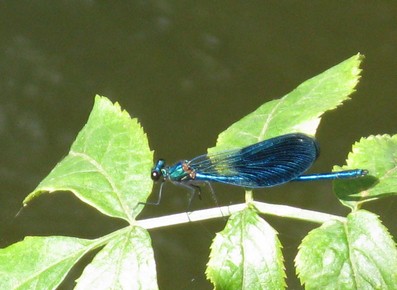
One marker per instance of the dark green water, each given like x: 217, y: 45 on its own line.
x: 187, y: 70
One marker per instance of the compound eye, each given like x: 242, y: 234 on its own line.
x: 155, y: 175
x: 157, y: 170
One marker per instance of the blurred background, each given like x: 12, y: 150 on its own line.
x: 186, y: 70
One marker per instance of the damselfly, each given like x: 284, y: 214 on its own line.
x: 265, y: 164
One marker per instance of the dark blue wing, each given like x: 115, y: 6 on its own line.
x: 264, y: 164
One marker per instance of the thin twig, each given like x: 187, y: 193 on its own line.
x: 218, y: 212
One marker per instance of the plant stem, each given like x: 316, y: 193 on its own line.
x: 264, y: 208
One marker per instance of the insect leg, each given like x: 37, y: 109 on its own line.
x: 193, y: 189
x: 213, y: 195
x: 158, y: 198
x: 214, y: 198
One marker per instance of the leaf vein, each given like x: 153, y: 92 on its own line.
x: 107, y: 176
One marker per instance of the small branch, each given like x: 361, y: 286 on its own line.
x: 296, y: 213
x: 218, y: 212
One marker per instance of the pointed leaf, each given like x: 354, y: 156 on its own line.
x: 39, y: 262
x: 126, y: 262
x: 377, y: 154
x: 356, y: 254
x: 108, y: 164
x: 298, y: 111
x: 246, y: 255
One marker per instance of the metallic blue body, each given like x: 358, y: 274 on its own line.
x: 265, y: 164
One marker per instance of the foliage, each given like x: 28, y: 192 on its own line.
x: 107, y: 167
x: 379, y: 156
x: 108, y: 160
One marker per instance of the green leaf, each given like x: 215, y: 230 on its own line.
x: 356, y: 254
x: 298, y: 111
x: 39, y: 262
x: 108, y: 164
x: 377, y: 154
x: 246, y: 255
x: 43, y: 262
x: 126, y: 262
